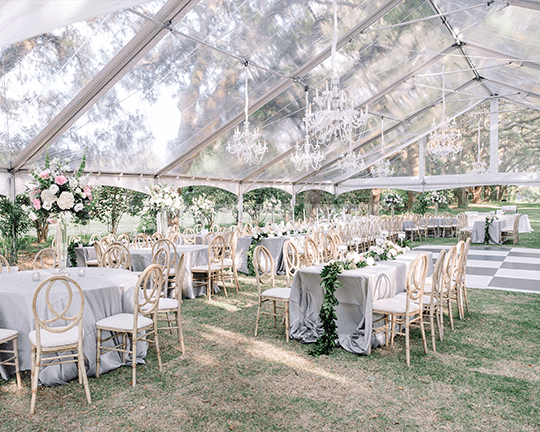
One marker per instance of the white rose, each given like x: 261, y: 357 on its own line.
x: 393, y: 252
x: 53, y: 189
x: 66, y: 200
x: 370, y: 261
x: 48, y: 197
x: 73, y: 183
x: 32, y: 216
x: 79, y: 207
x: 47, y: 205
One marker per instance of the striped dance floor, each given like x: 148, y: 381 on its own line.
x: 508, y: 269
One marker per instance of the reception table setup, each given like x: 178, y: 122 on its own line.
x: 106, y: 292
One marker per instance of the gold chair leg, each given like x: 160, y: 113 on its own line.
x: 287, y: 321
x: 258, y: 318
x: 98, y: 352
x: 36, y: 361
x: 133, y: 360
x: 16, y: 355
x: 82, y: 372
x: 180, y: 332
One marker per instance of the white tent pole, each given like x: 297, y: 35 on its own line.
x: 494, y: 136
x: 12, y: 186
x: 422, y: 158
x: 293, y: 203
x: 240, y: 203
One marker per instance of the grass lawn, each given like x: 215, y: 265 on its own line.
x: 485, y: 376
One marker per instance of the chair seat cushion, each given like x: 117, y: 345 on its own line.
x: 394, y: 305
x: 167, y: 304
x: 6, y: 334
x: 282, y: 293
x: 49, y: 339
x: 204, y: 268
x: 228, y: 262
x: 426, y: 298
x: 123, y: 322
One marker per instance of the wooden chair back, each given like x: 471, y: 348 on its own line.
x: 59, y: 316
x: 214, y: 229
x: 416, y: 278
x: 292, y: 260
x: 383, y: 287
x: 179, y: 276
x: 43, y: 258
x: 216, y: 250
x: 176, y: 238
x: 4, y: 263
x: 150, y: 285
x: 116, y: 256
x: 208, y: 238
x: 94, y: 238
x: 189, y: 236
x: 437, y: 280
x: 124, y: 239
x: 311, y: 252
x: 164, y: 254
x: 329, y: 248
x: 448, y: 270
x: 140, y: 241
x: 264, y: 268
x: 196, y: 229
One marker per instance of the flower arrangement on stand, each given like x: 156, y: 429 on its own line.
x: 392, y: 201
x: 203, y: 209
x: 59, y: 197
x: 164, y: 201
x: 437, y: 198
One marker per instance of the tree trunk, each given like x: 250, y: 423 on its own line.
x: 410, y: 200
x: 374, y: 201
x: 462, y: 198
x: 502, y: 190
x: 476, y: 193
x: 42, y: 228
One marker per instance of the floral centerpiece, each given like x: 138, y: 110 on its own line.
x: 437, y: 198
x: 203, y: 209
x: 392, y: 200
x: 386, y: 250
x: 60, y: 197
x: 272, y: 205
x: 163, y: 202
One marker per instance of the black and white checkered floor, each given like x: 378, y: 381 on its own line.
x: 509, y: 269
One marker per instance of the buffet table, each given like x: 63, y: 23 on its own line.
x: 355, y: 296
x: 106, y: 292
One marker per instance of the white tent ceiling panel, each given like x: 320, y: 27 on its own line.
x: 24, y: 19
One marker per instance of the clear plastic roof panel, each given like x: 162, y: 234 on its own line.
x: 40, y: 76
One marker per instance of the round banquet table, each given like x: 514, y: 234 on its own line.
x: 106, y: 292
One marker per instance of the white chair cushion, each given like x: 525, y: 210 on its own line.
x: 7, y: 334
x: 426, y: 298
x: 227, y: 262
x: 49, y: 339
x: 123, y: 322
x: 283, y: 293
x: 395, y: 305
x: 213, y: 267
x: 167, y: 304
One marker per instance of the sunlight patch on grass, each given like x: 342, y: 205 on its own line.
x: 227, y: 306
x: 269, y: 352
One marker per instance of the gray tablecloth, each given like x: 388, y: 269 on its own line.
x: 274, y: 245
x: 106, y: 292
x: 195, y: 255
x: 84, y: 254
x: 355, y: 296
x: 479, y: 231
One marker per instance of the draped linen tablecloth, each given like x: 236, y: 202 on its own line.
x: 195, y: 255
x: 478, y: 232
x: 273, y: 244
x: 507, y: 221
x: 355, y: 309
x: 106, y: 292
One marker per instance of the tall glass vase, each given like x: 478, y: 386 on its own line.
x: 162, y: 222
x: 62, y: 244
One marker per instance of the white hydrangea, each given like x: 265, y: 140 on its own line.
x: 66, y: 200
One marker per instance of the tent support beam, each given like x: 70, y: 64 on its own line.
x: 494, y: 136
x: 282, y: 86
x: 115, y: 70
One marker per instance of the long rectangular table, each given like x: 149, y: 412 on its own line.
x: 355, y: 296
x: 106, y: 292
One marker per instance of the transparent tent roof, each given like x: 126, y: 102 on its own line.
x: 156, y: 91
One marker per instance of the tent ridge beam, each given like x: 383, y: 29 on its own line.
x: 284, y: 85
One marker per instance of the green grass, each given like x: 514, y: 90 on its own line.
x: 484, y: 376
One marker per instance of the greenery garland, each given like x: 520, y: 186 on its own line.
x: 327, y: 314
x: 254, y: 242
x: 489, y: 221
x: 71, y: 253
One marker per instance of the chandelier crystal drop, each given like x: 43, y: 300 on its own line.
x: 443, y: 139
x: 336, y: 115
x: 308, y: 155
x: 478, y: 167
x: 246, y: 145
x: 350, y: 162
x: 382, y: 168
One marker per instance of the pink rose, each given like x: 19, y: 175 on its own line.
x: 60, y: 180
x: 88, y: 192
x: 37, y: 203
x: 45, y: 174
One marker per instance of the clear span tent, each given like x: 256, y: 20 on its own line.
x: 154, y: 90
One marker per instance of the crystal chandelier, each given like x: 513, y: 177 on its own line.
x: 478, y: 167
x: 307, y: 155
x: 350, y: 162
x: 336, y: 115
x: 382, y: 168
x: 248, y: 146
x: 442, y: 141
